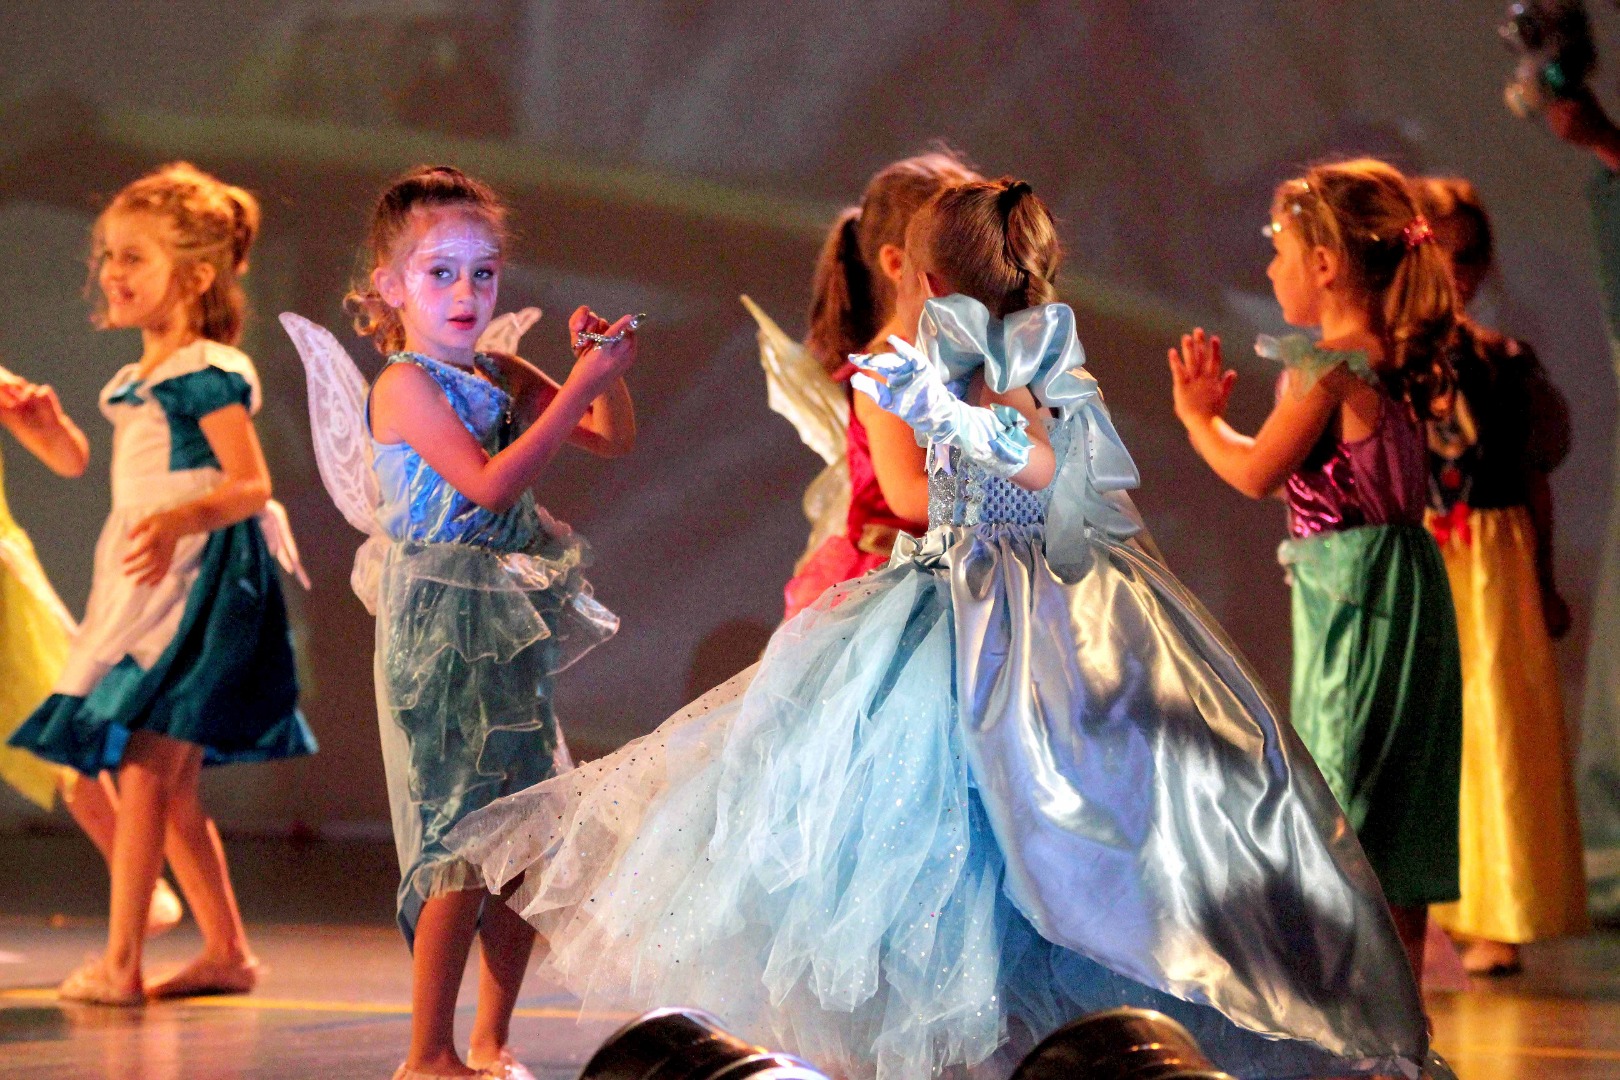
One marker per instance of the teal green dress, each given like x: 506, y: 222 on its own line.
x: 205, y: 654
x: 1377, y: 688
x: 476, y: 611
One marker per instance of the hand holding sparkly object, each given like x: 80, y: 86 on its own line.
x: 912, y: 389
x: 603, y: 352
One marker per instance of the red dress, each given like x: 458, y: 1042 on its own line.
x: 869, y: 531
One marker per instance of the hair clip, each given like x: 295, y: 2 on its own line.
x: 1417, y: 231
x: 585, y: 337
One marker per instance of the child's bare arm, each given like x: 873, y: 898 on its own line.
x: 33, y: 413
x: 241, y: 494
x: 1256, y: 466
x: 408, y: 406
x: 1037, y: 473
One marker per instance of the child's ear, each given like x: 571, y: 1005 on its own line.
x: 203, y: 277
x: 1324, y: 265
x: 891, y: 261
x: 388, y: 286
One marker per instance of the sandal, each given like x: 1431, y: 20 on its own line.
x: 405, y: 1072
x: 89, y: 984
x: 206, y: 978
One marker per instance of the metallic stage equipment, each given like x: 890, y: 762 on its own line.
x: 688, y: 1044
x: 1120, y: 1044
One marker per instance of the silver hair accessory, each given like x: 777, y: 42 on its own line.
x: 585, y: 337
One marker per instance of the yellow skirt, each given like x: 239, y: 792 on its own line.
x: 34, y: 632
x: 1521, y: 871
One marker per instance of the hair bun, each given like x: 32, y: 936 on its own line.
x: 1013, y: 193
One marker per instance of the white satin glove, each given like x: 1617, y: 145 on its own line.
x: 991, y: 438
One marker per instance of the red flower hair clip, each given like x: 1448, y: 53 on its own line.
x: 1417, y: 231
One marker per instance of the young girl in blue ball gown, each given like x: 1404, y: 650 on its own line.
x: 1014, y: 777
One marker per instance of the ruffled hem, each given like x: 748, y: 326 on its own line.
x: 484, y: 605
x: 817, y: 851
x: 225, y: 679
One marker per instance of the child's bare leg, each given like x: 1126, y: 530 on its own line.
x: 198, y: 858
x: 94, y: 807
x: 145, y: 779
x: 444, y: 936
x: 505, y: 942
x: 93, y: 804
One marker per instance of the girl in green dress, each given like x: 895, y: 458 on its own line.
x: 1377, y: 694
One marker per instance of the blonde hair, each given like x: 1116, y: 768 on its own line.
x: 1364, y: 211
x: 426, y: 187
x: 213, y: 223
x: 851, y: 298
x: 993, y: 240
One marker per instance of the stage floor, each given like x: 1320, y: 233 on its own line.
x: 335, y: 1001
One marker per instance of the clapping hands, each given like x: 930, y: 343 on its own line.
x: 1202, y: 383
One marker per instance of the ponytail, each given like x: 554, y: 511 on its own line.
x: 842, y: 315
x: 851, y: 298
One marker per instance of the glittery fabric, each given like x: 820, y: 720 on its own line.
x: 475, y: 612
x: 1379, y: 480
x: 962, y: 800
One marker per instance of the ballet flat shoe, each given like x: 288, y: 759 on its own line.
x: 90, y: 985
x: 405, y: 1072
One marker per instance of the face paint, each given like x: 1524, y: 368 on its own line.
x: 450, y: 278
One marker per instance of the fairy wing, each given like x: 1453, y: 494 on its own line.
x: 337, y: 421
x: 799, y: 389
x: 505, y: 331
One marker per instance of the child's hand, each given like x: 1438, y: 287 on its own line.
x: 1201, y: 382
x: 601, y: 365
x: 31, y: 404
x: 152, y: 547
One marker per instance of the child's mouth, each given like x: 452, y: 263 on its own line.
x: 463, y: 322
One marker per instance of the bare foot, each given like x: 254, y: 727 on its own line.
x: 502, y: 1067
x: 1491, y: 958
x: 207, y: 976
x: 93, y: 984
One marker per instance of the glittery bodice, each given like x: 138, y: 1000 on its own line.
x: 418, y: 504
x: 1379, y: 480
x: 961, y: 493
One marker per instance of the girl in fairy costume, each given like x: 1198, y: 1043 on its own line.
x: 1015, y: 776
x: 184, y: 656
x: 1377, y: 688
x: 479, y: 594
x: 877, y: 488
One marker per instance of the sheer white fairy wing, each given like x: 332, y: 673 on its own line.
x: 505, y: 331
x: 337, y: 421
x: 798, y: 388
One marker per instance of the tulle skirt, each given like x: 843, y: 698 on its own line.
x: 957, y: 803
x: 1520, y: 868
x: 467, y: 642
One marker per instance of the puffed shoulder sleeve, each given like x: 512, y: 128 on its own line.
x: 199, y: 393
x: 1546, y: 408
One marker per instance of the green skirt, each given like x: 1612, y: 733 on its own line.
x: 1377, y: 697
